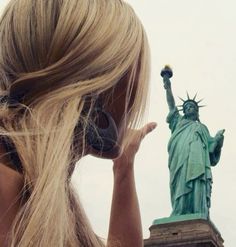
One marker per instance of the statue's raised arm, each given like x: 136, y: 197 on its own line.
x: 166, y: 74
x: 192, y: 153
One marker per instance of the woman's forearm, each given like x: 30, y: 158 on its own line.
x: 125, y: 221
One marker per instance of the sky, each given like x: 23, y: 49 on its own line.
x: 197, y: 38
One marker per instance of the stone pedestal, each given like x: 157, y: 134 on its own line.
x: 184, y: 233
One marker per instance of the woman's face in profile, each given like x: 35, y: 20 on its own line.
x: 115, y: 104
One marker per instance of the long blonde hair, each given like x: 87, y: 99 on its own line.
x: 53, y: 55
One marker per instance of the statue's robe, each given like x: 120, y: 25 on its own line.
x: 192, y: 152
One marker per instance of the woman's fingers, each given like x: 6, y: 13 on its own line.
x: 132, y: 147
x: 148, y: 128
x: 140, y: 134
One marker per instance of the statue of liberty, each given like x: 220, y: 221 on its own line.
x: 192, y: 152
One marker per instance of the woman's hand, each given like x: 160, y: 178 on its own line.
x: 125, y: 221
x: 125, y: 161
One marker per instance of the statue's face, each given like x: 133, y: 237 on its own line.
x: 190, y: 110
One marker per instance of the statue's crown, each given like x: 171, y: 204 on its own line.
x: 188, y: 100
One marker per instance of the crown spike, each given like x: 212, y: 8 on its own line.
x: 200, y: 101
x: 188, y: 95
x: 181, y: 99
x: 190, y: 100
x: 194, y: 98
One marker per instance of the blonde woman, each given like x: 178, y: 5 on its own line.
x: 74, y: 80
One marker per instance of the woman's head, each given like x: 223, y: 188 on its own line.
x: 75, y: 48
x: 58, y: 58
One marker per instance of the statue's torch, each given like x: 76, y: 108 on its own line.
x: 166, y: 72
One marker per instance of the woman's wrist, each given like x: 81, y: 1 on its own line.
x: 123, y: 171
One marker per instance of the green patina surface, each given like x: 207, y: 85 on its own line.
x: 178, y: 218
x: 192, y: 153
x: 181, y: 218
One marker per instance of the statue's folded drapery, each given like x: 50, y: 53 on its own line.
x: 192, y: 152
